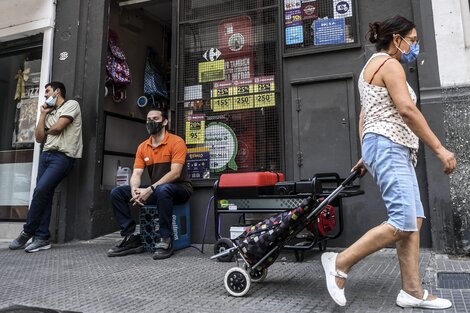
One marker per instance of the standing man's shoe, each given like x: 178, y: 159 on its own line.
x: 164, y: 249
x: 20, y: 241
x: 129, y: 245
x: 38, y: 245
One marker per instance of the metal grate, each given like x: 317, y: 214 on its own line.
x: 228, y: 86
x: 452, y: 280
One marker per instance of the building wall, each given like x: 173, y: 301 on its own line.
x: 452, y: 27
x: 24, y: 18
x: 453, y: 49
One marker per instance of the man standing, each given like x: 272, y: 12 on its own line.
x: 164, y: 156
x: 60, y: 131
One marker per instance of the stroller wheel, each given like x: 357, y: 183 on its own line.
x: 237, y: 282
x: 220, y: 246
x: 322, y: 245
x: 258, y: 276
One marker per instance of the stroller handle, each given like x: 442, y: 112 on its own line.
x: 351, y: 177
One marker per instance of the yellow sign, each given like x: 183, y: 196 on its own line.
x: 211, y: 71
x: 222, y: 104
x: 243, y: 102
x: 221, y: 89
x: 265, y: 100
x: 242, y: 87
x: 195, y: 129
x: 264, y: 87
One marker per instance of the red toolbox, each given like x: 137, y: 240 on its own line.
x: 250, y: 179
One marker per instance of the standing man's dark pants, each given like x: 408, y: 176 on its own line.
x: 53, y: 167
x: 164, y: 197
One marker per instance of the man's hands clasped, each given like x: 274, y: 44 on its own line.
x: 140, y: 195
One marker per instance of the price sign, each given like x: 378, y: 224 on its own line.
x: 242, y: 87
x: 265, y: 100
x: 195, y: 129
x: 221, y: 104
x: 264, y: 84
x: 221, y: 89
x: 243, y: 92
x: 243, y: 102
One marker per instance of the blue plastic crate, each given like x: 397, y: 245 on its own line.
x: 149, y: 226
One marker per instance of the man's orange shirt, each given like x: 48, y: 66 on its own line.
x: 158, y: 160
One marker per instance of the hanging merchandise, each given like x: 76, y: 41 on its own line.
x: 154, y: 84
x: 118, y: 74
x: 21, y: 78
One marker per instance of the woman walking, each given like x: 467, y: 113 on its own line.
x: 390, y: 127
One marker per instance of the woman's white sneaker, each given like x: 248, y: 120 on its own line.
x: 407, y: 301
x: 328, y: 260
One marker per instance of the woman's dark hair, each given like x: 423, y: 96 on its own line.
x: 381, y: 33
x: 57, y: 85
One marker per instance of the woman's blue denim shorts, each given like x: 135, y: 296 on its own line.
x: 391, y: 167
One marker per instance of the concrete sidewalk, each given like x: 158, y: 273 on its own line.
x: 80, y: 277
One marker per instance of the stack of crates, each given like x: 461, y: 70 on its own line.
x: 149, y: 226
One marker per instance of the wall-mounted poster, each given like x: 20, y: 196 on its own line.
x: 329, y: 31
x: 293, y: 17
x: 291, y: 4
x: 195, y: 126
x: 197, y: 162
x: 309, y: 10
x: 342, y: 8
x: 235, y: 38
x: 264, y: 87
x: 223, y: 146
x: 294, y: 35
x: 193, y: 96
x: 211, y: 71
x: 243, y: 94
x: 26, y: 123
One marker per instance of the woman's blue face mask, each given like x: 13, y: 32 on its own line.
x: 412, y: 54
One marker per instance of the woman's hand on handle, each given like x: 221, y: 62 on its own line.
x: 360, y: 165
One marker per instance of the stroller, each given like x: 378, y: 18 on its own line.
x: 260, y: 245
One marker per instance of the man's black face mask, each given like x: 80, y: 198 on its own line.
x: 154, y: 127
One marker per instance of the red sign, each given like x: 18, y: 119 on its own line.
x: 236, y: 47
x: 309, y: 10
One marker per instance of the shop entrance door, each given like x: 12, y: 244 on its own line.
x: 19, y: 61
x: 324, y: 127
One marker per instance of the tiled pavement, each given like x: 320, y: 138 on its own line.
x: 80, y: 277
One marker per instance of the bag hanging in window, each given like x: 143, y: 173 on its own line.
x: 118, y: 74
x: 154, y: 85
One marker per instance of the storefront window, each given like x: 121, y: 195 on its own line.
x: 228, y: 86
x: 19, y: 89
x: 319, y: 24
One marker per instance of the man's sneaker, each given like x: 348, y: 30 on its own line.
x: 164, y: 249
x: 20, y: 241
x: 129, y: 245
x: 38, y: 245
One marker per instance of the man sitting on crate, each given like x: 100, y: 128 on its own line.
x: 164, y: 156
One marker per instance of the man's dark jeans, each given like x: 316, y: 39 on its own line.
x: 53, y: 167
x: 164, y: 197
